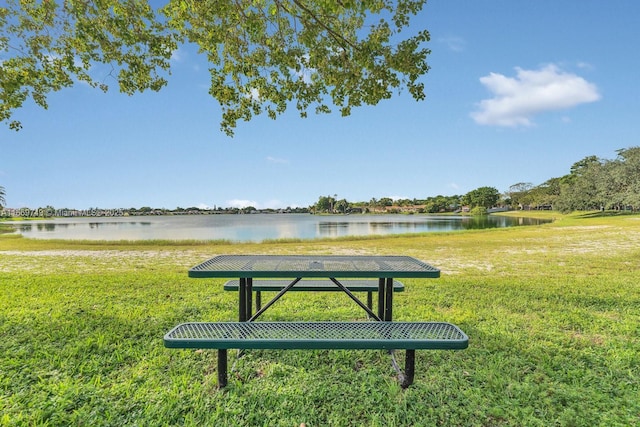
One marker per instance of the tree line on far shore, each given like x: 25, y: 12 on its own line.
x: 480, y: 198
x: 591, y: 184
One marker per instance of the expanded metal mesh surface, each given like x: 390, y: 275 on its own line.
x: 317, y: 335
x: 310, y: 266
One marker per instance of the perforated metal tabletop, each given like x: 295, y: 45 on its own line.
x: 285, y: 266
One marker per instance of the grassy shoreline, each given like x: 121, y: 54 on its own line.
x: 551, y: 312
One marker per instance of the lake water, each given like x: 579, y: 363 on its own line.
x: 253, y: 228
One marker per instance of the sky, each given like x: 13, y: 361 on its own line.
x: 518, y: 91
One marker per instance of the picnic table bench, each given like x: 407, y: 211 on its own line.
x: 409, y: 336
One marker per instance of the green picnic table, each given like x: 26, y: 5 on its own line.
x: 332, y: 270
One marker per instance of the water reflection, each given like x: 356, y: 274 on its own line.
x: 338, y: 228
x: 254, y: 228
x: 117, y: 224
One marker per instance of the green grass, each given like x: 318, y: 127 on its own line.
x: 551, y: 311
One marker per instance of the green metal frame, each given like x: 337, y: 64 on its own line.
x: 320, y: 285
x: 314, y: 285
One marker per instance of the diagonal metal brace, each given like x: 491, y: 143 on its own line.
x: 276, y: 298
x: 354, y: 298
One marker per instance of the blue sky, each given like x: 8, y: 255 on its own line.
x: 518, y: 91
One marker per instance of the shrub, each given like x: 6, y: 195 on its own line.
x: 479, y: 211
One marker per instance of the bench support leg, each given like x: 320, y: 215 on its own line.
x: 406, y: 379
x: 222, y: 368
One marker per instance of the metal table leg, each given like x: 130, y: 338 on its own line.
x: 242, y: 306
x: 381, y: 298
x: 249, y: 296
x: 388, y: 305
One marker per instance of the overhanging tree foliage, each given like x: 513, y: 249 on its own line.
x: 264, y: 55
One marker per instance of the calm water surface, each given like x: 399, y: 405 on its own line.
x: 253, y: 228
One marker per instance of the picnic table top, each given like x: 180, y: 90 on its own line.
x: 293, y: 266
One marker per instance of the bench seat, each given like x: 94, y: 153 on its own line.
x: 409, y: 336
x: 317, y: 335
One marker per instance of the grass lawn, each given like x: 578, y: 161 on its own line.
x: 552, y: 313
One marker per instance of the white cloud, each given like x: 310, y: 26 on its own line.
x: 254, y: 94
x: 272, y: 204
x: 304, y: 72
x: 277, y: 160
x: 240, y: 203
x: 179, y: 55
x: 183, y: 57
x: 517, y: 99
x: 455, y: 44
x: 585, y: 65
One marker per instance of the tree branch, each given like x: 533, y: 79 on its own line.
x: 337, y: 37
